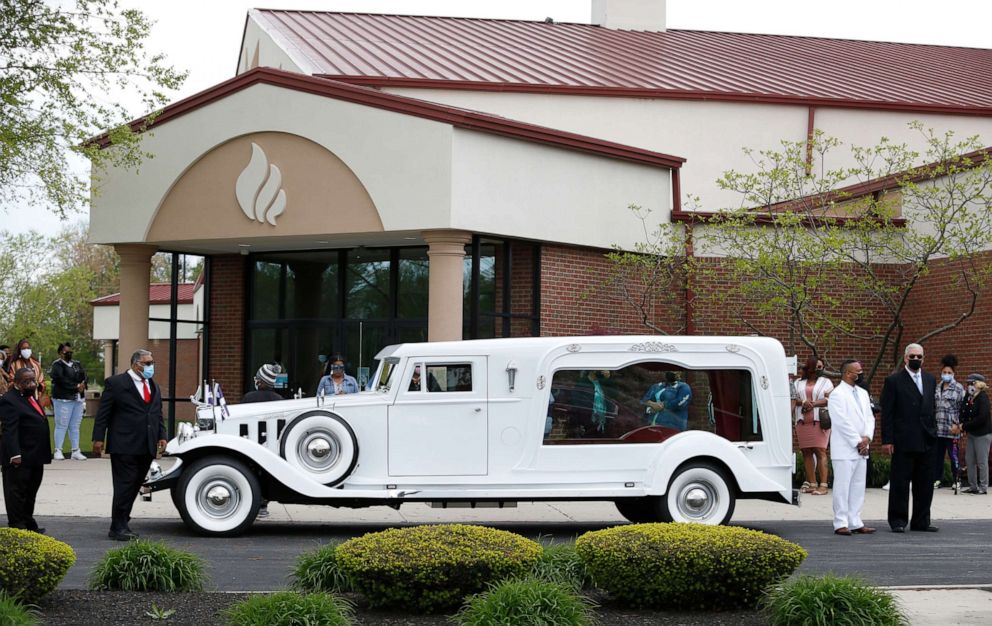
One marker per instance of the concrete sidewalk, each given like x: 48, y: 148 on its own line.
x: 83, y: 489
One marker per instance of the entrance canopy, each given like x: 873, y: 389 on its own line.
x: 277, y: 161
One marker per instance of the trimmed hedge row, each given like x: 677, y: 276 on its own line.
x: 32, y: 565
x: 432, y: 568
x: 687, y: 566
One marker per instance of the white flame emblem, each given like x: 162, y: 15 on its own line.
x: 259, y: 189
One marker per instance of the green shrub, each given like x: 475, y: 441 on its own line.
x: 830, y: 600
x: 32, y: 565
x: 432, y: 568
x: 13, y: 613
x: 879, y: 467
x: 148, y: 566
x: 560, y: 563
x: 288, y: 608
x: 319, y: 571
x: 527, y: 602
x: 687, y: 566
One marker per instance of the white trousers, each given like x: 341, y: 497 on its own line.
x: 849, y: 492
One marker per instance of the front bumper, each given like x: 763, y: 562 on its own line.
x: 163, y: 480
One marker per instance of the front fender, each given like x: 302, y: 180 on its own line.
x: 268, y: 461
x: 700, y: 445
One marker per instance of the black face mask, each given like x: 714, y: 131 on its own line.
x: 915, y: 364
x: 28, y: 390
x: 860, y: 380
x: 67, y: 356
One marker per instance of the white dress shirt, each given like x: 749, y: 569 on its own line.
x: 139, y: 383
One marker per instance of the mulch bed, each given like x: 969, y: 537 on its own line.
x: 106, y: 608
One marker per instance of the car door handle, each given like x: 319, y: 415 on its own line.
x: 478, y: 410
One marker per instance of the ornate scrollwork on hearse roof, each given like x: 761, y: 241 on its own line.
x: 653, y: 346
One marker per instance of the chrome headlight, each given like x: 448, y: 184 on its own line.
x: 205, y: 422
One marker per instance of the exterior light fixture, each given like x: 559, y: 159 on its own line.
x: 511, y: 373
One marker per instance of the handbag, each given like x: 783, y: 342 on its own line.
x: 824, y: 419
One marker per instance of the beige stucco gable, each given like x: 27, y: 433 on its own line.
x: 265, y: 184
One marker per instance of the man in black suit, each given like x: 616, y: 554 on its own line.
x: 909, y: 434
x: 26, y: 449
x: 131, y: 412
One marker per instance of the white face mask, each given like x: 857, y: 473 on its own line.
x: 26, y: 353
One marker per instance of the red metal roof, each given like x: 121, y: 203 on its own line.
x: 459, y: 118
x: 158, y: 293
x: 585, y: 59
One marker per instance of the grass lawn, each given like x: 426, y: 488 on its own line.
x: 85, y: 435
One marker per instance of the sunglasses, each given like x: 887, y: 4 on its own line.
x: 915, y: 357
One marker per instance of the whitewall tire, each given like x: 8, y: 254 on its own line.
x: 218, y: 496
x: 700, y: 493
x: 322, y: 445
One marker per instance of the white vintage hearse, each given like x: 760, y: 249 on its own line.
x: 668, y: 428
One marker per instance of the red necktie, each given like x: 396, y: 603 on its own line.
x: 35, y: 404
x: 148, y: 394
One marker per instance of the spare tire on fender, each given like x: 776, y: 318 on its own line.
x: 322, y: 445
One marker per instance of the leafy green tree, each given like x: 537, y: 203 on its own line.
x: 655, y: 277
x: 63, y: 68
x: 808, y: 247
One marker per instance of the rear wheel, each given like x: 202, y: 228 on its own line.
x: 218, y: 496
x: 637, y: 510
x: 699, y: 492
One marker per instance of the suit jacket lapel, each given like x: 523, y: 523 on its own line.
x: 133, y: 389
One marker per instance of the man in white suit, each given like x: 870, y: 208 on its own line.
x: 853, y: 425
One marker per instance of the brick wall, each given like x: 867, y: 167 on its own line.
x: 227, y: 322
x: 577, y: 297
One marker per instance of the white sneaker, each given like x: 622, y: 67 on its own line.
x: 58, y: 455
x: 885, y: 487
x: 77, y: 455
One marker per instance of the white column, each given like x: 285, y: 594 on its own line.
x: 446, y: 286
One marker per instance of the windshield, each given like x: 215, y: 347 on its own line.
x: 386, y: 369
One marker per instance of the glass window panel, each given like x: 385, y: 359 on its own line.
x: 413, y: 284
x: 363, y: 342
x: 265, y: 293
x: 650, y: 402
x: 451, y: 377
x: 367, y: 284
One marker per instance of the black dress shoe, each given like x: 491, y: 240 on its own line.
x: 898, y: 529
x: 925, y: 529
x: 124, y: 535
x: 40, y: 531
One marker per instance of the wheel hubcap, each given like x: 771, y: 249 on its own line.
x: 697, y: 501
x: 218, y: 498
x: 219, y: 495
x: 318, y: 450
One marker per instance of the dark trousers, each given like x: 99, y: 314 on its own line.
x: 128, y: 471
x: 946, y: 447
x: 914, y: 468
x: 20, y: 487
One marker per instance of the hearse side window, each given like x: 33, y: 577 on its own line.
x: 448, y: 377
x: 649, y: 402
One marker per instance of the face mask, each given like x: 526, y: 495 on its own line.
x: 28, y: 390
x: 971, y: 389
x: 915, y: 364
x: 860, y: 379
x: 148, y: 371
x: 947, y: 377
x: 26, y: 353
x: 322, y: 358
x: 67, y: 356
